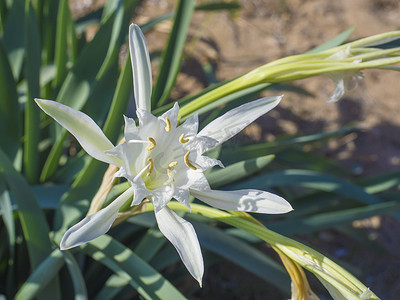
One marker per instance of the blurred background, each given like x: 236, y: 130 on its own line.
x: 224, y: 44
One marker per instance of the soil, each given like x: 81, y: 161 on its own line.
x: 265, y: 30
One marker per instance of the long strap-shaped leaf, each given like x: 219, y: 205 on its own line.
x: 32, y: 112
x: 10, y: 125
x: 33, y: 221
x: 60, y: 59
x: 120, y: 259
x: 171, y: 57
x: 13, y: 37
x: 76, y: 89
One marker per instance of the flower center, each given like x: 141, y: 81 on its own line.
x: 164, y: 156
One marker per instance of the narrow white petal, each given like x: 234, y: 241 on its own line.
x: 80, y: 125
x: 161, y: 196
x: 94, y: 225
x: 229, y: 124
x: 244, y: 200
x: 131, y: 132
x: 141, y: 68
x: 182, y: 235
x: 338, y: 92
x: 172, y: 115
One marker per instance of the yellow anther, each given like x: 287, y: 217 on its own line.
x: 174, y: 163
x: 182, y: 139
x: 168, y: 127
x: 151, y: 167
x: 153, y: 144
x: 187, y: 162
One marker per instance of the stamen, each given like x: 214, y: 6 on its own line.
x: 168, y: 126
x: 153, y: 144
x: 187, y: 162
x: 182, y: 140
x: 151, y: 167
x: 174, y: 163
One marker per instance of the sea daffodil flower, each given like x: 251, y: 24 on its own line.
x: 162, y: 160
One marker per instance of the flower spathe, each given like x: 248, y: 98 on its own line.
x: 162, y: 161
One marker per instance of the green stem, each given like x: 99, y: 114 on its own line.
x: 305, y: 256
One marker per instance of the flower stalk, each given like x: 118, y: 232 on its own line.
x: 307, y: 65
x: 342, y: 281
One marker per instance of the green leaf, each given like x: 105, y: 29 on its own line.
x: 380, y: 183
x: 328, y: 220
x: 10, y: 124
x: 239, y: 170
x: 49, y: 195
x: 77, y: 87
x: 255, y: 150
x: 115, y: 284
x: 13, y: 38
x: 120, y: 101
x: 123, y: 13
x: 243, y: 255
x: 33, y: 221
x: 41, y: 276
x: 336, y: 41
x: 171, y: 57
x: 150, y: 244
x: 3, y: 14
x: 246, y: 94
x: 312, y: 180
x: 32, y: 112
x: 7, y: 215
x: 76, y: 276
x: 220, y: 5
x: 60, y: 59
x: 149, y: 283
x: 48, y: 20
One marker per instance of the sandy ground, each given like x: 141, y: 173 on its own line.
x: 265, y: 30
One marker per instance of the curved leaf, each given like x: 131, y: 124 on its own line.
x: 120, y: 259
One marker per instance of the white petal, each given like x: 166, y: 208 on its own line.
x: 338, y: 92
x: 244, y: 200
x: 140, y: 190
x: 205, y: 162
x: 80, y: 125
x: 182, y: 235
x: 141, y: 68
x: 191, y: 125
x: 145, y: 118
x: 172, y: 115
x: 94, y: 225
x: 161, y: 196
x: 229, y: 124
x: 131, y: 132
x: 182, y: 195
x: 192, y: 179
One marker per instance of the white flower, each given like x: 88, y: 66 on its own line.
x: 162, y: 160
